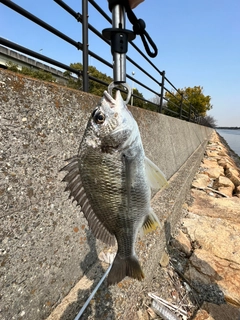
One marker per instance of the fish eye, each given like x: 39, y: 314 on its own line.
x: 99, y: 117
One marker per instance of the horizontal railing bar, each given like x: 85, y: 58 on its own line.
x: 39, y: 56
x: 145, y: 57
x: 41, y: 23
x: 99, y: 9
x: 95, y: 56
x: 144, y: 71
x: 75, y: 14
x: 141, y: 84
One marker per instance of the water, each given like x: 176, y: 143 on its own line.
x: 232, y: 137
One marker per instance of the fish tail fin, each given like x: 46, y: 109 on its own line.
x: 151, y: 222
x: 123, y: 267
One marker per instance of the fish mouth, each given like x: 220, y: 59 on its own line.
x: 109, y: 99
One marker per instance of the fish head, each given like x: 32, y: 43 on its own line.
x: 111, y: 124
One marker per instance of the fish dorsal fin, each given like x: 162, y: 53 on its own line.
x: 74, y: 185
x: 155, y: 176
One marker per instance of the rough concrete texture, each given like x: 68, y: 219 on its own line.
x: 46, y: 247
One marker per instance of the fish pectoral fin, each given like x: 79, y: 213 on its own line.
x: 155, y: 176
x: 74, y: 185
x: 123, y: 267
x: 151, y: 222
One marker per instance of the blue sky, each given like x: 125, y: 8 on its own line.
x: 198, y: 43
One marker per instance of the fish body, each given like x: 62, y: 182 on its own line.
x: 110, y: 179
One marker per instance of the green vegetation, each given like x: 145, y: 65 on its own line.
x: 38, y: 74
x: 193, y: 97
x: 12, y: 66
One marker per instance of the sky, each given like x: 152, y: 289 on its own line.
x: 198, y: 44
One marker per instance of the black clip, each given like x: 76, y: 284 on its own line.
x: 119, y: 39
x: 120, y: 36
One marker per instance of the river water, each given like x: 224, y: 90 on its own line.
x: 232, y: 137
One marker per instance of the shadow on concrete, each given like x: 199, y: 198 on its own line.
x: 101, y: 306
x: 209, y: 296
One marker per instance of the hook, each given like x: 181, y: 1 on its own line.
x: 125, y: 85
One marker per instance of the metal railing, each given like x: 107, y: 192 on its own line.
x: 161, y: 85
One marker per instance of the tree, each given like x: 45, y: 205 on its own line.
x: 209, y: 121
x: 189, y: 98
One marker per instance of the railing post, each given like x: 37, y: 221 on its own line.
x: 180, y: 111
x: 85, y: 44
x: 189, y: 112
x: 162, y: 93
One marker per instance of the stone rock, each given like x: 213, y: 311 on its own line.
x: 222, y: 153
x: 218, y: 236
x: 227, y: 191
x: 216, y: 275
x: 210, y: 153
x: 215, y: 172
x: 226, y: 162
x: 223, y: 163
x: 237, y: 191
x: 182, y: 243
x: 225, y: 208
x: 164, y: 261
x: 201, y: 181
x: 232, y: 174
x: 222, y: 311
x: 203, y: 315
x: 223, y: 182
x: 224, y: 185
x: 233, y: 171
x: 142, y: 315
x: 209, y: 163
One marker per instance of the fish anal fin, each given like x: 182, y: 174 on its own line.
x: 123, y: 267
x: 155, y: 176
x: 151, y: 222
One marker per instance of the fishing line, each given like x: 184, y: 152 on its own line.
x: 92, y: 294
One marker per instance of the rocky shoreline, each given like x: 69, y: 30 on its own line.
x: 208, y: 237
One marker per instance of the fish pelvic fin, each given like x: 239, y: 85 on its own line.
x: 151, y: 222
x: 123, y: 267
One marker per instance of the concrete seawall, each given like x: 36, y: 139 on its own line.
x: 46, y: 247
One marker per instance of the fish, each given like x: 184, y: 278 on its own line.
x: 111, y: 179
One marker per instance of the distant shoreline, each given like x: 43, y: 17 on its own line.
x: 231, y: 152
x: 229, y: 128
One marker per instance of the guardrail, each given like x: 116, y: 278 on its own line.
x: 161, y: 84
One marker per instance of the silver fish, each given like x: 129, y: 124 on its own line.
x: 110, y: 179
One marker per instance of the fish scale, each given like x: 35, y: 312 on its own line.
x: 110, y: 179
